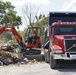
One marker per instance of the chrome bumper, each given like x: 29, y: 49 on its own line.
x: 65, y: 56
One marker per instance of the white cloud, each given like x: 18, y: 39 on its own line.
x: 22, y: 2
x: 69, y: 6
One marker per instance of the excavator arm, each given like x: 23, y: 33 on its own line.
x: 15, y: 33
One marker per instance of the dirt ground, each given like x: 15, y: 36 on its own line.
x: 26, y: 69
x: 38, y: 68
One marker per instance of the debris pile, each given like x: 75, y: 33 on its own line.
x: 10, y: 54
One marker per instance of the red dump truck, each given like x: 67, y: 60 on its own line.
x: 60, y: 38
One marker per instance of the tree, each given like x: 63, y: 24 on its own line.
x: 30, y: 12
x: 8, y: 15
x: 43, y: 21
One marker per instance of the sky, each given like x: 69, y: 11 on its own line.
x: 45, y: 6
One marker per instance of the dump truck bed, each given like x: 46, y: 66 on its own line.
x: 62, y: 16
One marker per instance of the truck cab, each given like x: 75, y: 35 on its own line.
x: 61, y: 44
x: 63, y: 36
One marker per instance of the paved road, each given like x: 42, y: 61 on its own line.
x: 40, y: 68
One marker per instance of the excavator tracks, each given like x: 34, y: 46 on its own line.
x: 32, y: 52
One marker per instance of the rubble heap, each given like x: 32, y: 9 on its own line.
x: 10, y: 54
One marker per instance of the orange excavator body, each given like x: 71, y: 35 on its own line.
x: 36, y: 45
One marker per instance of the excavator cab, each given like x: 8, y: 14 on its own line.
x: 32, y: 37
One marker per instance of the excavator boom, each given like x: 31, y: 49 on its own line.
x: 15, y: 33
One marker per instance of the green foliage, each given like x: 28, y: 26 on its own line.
x: 8, y: 16
x: 21, y: 33
x: 42, y: 22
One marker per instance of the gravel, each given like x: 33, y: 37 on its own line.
x: 38, y: 68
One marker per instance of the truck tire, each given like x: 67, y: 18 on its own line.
x: 53, y: 62
x: 47, y: 55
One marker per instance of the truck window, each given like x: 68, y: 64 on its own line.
x: 63, y: 30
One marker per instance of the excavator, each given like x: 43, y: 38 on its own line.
x: 28, y: 46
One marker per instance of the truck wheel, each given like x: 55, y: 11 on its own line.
x: 47, y: 55
x: 53, y: 62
